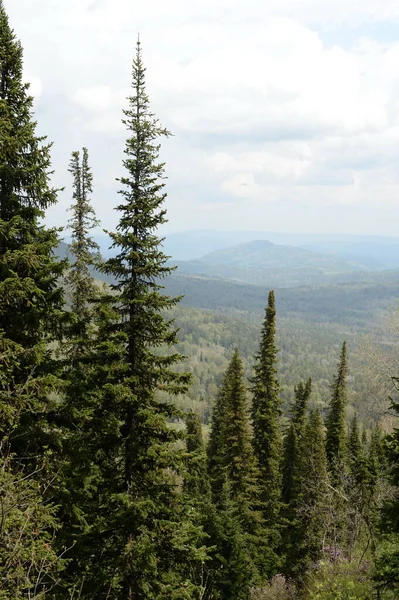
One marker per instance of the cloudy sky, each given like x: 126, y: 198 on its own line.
x: 285, y: 113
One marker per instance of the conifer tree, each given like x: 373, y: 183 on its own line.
x: 146, y: 555
x: 266, y: 411
x: 233, y: 451
x: 336, y: 435
x: 77, y: 466
x: 31, y: 303
x: 84, y: 250
x: 387, y: 564
x: 354, y: 445
x: 30, y: 312
x: 293, y: 440
x: 233, y: 470
x: 311, y: 525
x: 198, y: 503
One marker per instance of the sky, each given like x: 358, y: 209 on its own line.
x: 285, y: 113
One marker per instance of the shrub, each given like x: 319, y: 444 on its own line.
x: 277, y: 589
x: 340, y: 581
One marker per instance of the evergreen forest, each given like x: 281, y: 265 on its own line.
x: 155, y: 450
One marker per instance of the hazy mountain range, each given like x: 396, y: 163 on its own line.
x: 280, y: 260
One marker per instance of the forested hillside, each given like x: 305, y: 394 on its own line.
x: 240, y: 443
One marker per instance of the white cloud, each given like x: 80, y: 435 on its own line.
x: 269, y: 117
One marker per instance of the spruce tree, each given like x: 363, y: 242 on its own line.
x: 234, y: 473
x: 233, y: 451
x: 199, y: 508
x: 311, y: 508
x: 30, y: 315
x: 78, y: 472
x: 266, y: 411
x: 387, y: 564
x: 336, y: 443
x: 138, y: 520
x: 354, y: 446
x: 293, y: 441
x: 84, y: 251
x: 31, y: 303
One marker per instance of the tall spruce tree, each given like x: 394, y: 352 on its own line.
x: 30, y: 311
x: 145, y: 556
x: 31, y: 298
x: 266, y: 412
x: 336, y: 443
x: 84, y: 251
x: 78, y: 472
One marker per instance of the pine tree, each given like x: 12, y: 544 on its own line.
x: 266, y: 411
x: 31, y: 298
x: 336, y: 435
x: 146, y: 554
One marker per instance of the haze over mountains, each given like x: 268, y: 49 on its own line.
x: 347, y: 279
x: 279, y: 260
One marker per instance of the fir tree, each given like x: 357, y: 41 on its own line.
x: 292, y: 441
x: 30, y: 315
x: 266, y: 411
x: 233, y: 471
x: 31, y: 303
x: 77, y: 483
x: 387, y: 564
x: 146, y: 555
x: 354, y: 443
x: 336, y: 436
x: 84, y: 250
x: 199, y: 507
x: 233, y: 451
x: 311, y: 508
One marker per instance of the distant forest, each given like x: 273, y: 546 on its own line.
x: 233, y: 445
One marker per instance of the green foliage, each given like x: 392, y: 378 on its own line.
x: 293, y: 442
x: 29, y: 564
x: 234, y: 475
x: 387, y: 565
x: 85, y: 251
x: 278, y: 588
x: 340, y: 581
x: 309, y: 525
x: 266, y: 411
x: 230, y: 450
x: 136, y: 514
x: 30, y: 310
x: 336, y: 435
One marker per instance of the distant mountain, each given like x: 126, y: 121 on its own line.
x: 262, y: 263
x: 380, y: 253
x: 261, y: 254
x: 189, y: 245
